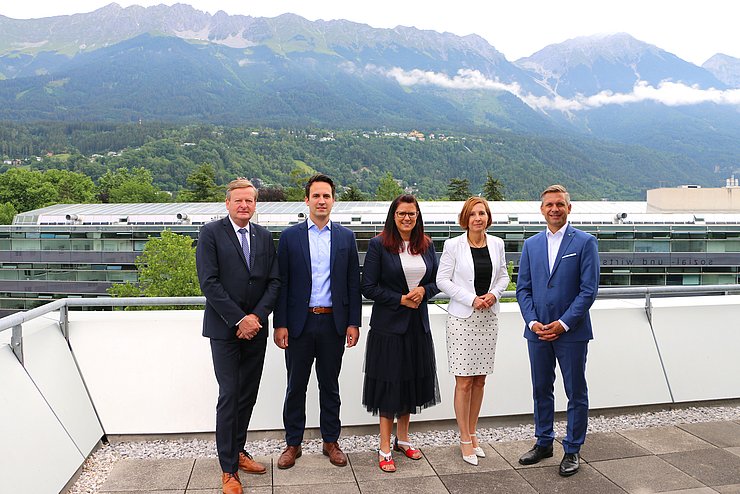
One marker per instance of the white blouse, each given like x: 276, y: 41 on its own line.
x: 414, y: 267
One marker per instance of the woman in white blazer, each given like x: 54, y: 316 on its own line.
x: 472, y: 272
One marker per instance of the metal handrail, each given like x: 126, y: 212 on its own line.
x: 18, y: 318
x: 16, y: 321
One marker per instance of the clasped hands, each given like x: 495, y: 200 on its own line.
x: 484, y: 301
x: 548, y: 332
x: 248, y: 327
x: 414, y: 298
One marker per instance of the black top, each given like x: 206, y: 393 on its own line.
x: 483, y: 269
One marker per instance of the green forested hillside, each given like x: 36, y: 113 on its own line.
x: 524, y: 164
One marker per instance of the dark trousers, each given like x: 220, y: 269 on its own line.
x: 320, y: 342
x: 238, y: 366
x: 571, y: 357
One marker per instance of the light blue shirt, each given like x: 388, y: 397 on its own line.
x: 319, y: 243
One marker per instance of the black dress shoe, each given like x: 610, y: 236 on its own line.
x: 569, y: 464
x: 536, y: 454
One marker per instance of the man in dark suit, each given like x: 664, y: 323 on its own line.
x: 319, y: 308
x: 557, y: 284
x: 238, y: 274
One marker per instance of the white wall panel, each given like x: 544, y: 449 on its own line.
x: 50, y: 364
x: 30, y: 435
x: 699, y: 338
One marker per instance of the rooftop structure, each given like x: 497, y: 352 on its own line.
x: 81, y: 249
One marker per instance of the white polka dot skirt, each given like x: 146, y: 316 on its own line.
x: 471, y: 343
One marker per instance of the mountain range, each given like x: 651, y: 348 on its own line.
x: 178, y: 64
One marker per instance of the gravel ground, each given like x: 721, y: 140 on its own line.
x: 99, y: 465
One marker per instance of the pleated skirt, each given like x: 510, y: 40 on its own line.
x: 400, y: 372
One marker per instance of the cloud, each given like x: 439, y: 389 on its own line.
x: 667, y: 92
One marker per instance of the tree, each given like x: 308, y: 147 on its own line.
x: 26, y: 190
x: 353, y: 193
x: 388, y: 189
x: 7, y: 212
x: 458, y: 189
x: 166, y: 268
x: 72, y: 187
x: 202, y: 186
x: 271, y: 194
x: 129, y: 186
x: 492, y: 189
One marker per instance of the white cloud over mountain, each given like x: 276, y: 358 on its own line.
x: 667, y: 92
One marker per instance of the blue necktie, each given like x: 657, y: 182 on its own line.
x: 245, y: 244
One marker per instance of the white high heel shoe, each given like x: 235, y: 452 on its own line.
x: 472, y: 459
x: 478, y: 450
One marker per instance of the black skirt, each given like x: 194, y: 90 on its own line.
x: 400, y: 372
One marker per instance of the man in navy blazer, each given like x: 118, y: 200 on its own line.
x: 319, y: 308
x: 557, y: 284
x: 238, y: 274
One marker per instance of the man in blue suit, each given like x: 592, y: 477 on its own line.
x: 319, y: 308
x: 557, y: 284
x: 238, y: 274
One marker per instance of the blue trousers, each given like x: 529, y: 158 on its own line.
x: 571, y: 357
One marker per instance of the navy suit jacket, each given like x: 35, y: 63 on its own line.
x: 294, y: 259
x: 383, y: 282
x: 568, y: 292
x: 232, y: 291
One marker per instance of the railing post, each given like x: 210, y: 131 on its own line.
x: 64, y: 321
x: 16, y: 342
x: 648, y: 307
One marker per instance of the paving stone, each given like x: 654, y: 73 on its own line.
x: 698, y: 490
x: 500, y: 482
x: 727, y: 489
x: 645, y: 474
x: 512, y: 450
x: 365, y: 466
x: 403, y: 485
x: 207, y: 474
x: 661, y: 440
x: 721, y: 434
x: 586, y: 480
x: 448, y: 461
x: 342, y: 488
x: 609, y: 446
x: 247, y: 490
x: 137, y: 475
x: 711, y: 466
x: 312, y: 469
x: 734, y: 451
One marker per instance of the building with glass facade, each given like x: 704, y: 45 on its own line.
x: 79, y: 250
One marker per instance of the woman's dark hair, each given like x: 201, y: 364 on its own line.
x: 391, y: 237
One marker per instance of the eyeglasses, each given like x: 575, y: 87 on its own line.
x: 408, y: 214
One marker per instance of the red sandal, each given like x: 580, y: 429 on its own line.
x: 410, y: 451
x: 385, y: 462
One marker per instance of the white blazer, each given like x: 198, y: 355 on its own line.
x: 456, y: 274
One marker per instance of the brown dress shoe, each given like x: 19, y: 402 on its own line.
x: 231, y: 483
x: 247, y: 463
x: 336, y: 457
x: 287, y: 458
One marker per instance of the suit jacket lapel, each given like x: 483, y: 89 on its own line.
x: 334, y: 246
x: 567, y: 239
x: 305, y: 248
x: 228, y: 227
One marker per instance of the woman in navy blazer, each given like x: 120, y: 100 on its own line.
x: 400, y: 372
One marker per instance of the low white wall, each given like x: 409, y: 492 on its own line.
x: 47, y: 423
x: 151, y: 372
